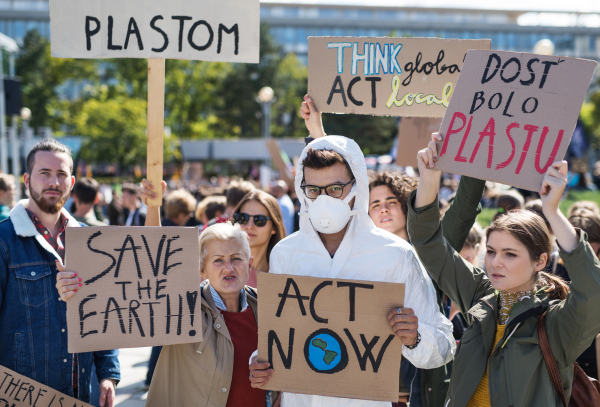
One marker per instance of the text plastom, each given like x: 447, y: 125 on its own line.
x: 329, y: 337
x: 176, y: 29
x: 140, y: 287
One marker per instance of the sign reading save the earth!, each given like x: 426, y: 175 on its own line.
x: 329, y: 337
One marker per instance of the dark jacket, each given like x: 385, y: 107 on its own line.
x: 33, y: 319
x: 517, y: 373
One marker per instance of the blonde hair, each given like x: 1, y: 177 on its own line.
x: 179, y: 201
x: 223, y: 232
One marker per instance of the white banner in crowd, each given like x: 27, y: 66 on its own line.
x: 175, y: 29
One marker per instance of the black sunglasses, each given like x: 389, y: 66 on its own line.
x: 243, y: 218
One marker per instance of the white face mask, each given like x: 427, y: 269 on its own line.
x: 330, y: 215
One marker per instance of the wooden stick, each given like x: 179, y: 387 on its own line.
x: 156, y: 115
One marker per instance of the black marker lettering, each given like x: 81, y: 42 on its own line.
x: 164, y: 34
x: 122, y: 250
x: 505, y: 112
x: 236, y: 36
x: 148, y: 288
x: 149, y: 304
x: 478, y: 97
x: 291, y: 283
x: 373, y: 81
x: 313, y: 299
x: 210, y: 36
x: 338, y: 87
x: 159, y: 288
x: 153, y: 265
x: 512, y: 78
x: 110, y: 35
x: 168, y: 254
x: 83, y: 316
x: 350, y: 85
x: 285, y: 359
x: 353, y: 287
x: 181, y: 24
x: 124, y: 283
x: 192, y: 297
x: 116, y: 308
x: 133, y: 313
x: 362, y: 359
x: 105, y: 272
x: 487, y: 78
x: 547, y: 65
x: 530, y: 69
x: 132, y: 28
x: 89, y: 33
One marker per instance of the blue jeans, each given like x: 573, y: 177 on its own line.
x: 411, y: 376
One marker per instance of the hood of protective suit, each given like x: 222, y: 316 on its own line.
x: 352, y: 153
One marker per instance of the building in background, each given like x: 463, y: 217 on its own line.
x: 575, y: 34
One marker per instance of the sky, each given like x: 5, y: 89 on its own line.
x: 536, y: 5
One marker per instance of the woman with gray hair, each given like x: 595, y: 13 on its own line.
x: 214, y: 371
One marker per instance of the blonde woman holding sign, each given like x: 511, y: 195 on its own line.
x: 499, y: 360
x: 215, y: 369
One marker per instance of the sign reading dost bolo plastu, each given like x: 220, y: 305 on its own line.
x: 385, y: 76
x: 512, y: 115
x: 329, y: 337
x: 208, y: 30
x: 140, y: 287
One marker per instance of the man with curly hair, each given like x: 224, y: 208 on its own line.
x: 388, y: 197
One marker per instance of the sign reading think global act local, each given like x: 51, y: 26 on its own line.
x: 140, y: 287
x: 208, y: 30
x: 385, y: 76
x: 329, y: 337
x: 512, y: 115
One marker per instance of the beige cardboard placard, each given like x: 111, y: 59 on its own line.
x: 17, y: 390
x: 329, y: 337
x: 385, y: 76
x: 140, y: 287
x: 512, y: 115
x: 414, y: 133
x: 208, y: 30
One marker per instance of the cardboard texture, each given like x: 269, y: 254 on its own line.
x: 413, y: 135
x: 20, y: 391
x: 385, y: 76
x: 140, y: 287
x: 512, y: 115
x: 207, y: 30
x: 316, y: 332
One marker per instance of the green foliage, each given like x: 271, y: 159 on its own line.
x: 42, y: 75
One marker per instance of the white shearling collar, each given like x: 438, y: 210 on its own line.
x: 24, y: 227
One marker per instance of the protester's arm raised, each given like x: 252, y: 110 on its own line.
x: 572, y: 324
x: 312, y: 118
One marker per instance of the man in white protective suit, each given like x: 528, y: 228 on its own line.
x: 337, y: 239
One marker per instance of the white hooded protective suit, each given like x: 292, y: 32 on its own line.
x: 366, y: 253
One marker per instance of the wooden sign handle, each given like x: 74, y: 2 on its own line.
x: 156, y: 116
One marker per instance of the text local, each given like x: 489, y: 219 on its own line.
x: 133, y: 298
x: 362, y: 357
x: 507, y: 72
x: 93, y: 26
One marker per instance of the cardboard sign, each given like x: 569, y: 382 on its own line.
x: 140, y: 287
x: 329, y: 337
x: 276, y: 158
x: 208, y: 30
x: 512, y: 115
x: 414, y: 133
x: 20, y: 391
x: 385, y: 76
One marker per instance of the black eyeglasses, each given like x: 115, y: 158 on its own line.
x: 333, y: 190
x: 243, y: 218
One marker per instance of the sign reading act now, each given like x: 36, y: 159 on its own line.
x: 140, y: 287
x: 329, y: 337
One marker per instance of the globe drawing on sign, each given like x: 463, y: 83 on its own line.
x: 325, y: 352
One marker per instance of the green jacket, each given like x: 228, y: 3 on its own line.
x: 456, y: 224
x: 518, y: 376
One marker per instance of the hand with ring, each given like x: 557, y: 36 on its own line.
x: 404, y: 324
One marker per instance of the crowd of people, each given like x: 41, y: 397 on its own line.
x: 478, y: 296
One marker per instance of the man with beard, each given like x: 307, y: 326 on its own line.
x: 33, y: 318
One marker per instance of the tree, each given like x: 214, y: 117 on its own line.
x: 115, y: 130
x: 42, y: 75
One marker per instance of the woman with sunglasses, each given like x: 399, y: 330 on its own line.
x: 259, y: 216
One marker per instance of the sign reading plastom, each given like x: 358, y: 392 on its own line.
x: 385, y: 76
x: 175, y: 29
